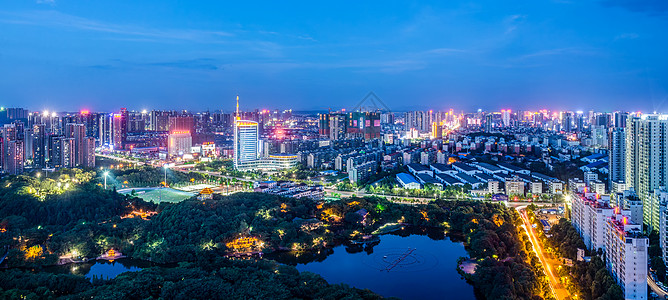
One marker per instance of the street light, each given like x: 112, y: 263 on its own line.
x: 106, y: 173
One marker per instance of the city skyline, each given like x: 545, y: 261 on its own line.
x: 557, y: 55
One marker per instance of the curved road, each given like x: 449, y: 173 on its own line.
x: 655, y: 288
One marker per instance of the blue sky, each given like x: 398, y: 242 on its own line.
x: 554, y: 54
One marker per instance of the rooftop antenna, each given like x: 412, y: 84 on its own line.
x: 238, y: 118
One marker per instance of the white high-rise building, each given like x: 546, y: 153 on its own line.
x: 613, y: 231
x: 246, y: 136
x: 180, y: 143
x: 626, y: 254
x: 599, y: 136
x: 589, y: 216
x: 646, y: 160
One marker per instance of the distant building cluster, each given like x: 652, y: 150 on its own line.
x: 41, y: 140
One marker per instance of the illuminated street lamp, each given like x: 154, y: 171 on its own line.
x: 106, y: 173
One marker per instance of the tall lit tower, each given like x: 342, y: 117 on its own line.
x: 246, y: 135
x: 237, y: 116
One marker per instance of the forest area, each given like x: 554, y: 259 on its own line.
x: 86, y: 220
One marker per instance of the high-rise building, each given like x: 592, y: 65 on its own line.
x: 337, y: 126
x: 567, y: 121
x: 159, y: 120
x: 505, y: 117
x: 246, y: 137
x: 77, y: 132
x: 616, y: 155
x: 619, y: 119
x: 626, y: 253
x: 39, y: 145
x: 179, y: 143
x: 67, y: 152
x: 12, y: 150
x: 55, y: 154
x: 419, y: 120
x: 489, y: 122
x: 646, y: 158
x: 181, y: 123
x: 599, y: 136
x: 119, y: 129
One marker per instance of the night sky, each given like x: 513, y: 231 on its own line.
x: 555, y: 54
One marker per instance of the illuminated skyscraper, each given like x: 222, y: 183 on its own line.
x: 119, y: 129
x: 245, y: 144
x: 246, y: 135
x: 180, y: 142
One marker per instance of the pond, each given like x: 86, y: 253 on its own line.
x: 101, y: 269
x: 158, y: 195
x: 406, y: 264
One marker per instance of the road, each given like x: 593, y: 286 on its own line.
x: 557, y: 290
x: 655, y: 288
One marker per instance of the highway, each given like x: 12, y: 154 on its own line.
x: 557, y: 290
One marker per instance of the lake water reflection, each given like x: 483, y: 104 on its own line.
x: 408, y: 264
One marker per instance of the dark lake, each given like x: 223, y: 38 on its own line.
x: 101, y: 268
x: 404, y: 265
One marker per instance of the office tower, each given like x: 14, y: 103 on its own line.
x: 39, y: 145
x: 567, y: 121
x: 505, y: 117
x: 616, y: 155
x: 245, y: 143
x: 646, y: 158
x: 179, y: 143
